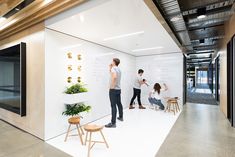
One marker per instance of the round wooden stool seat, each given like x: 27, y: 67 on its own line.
x: 74, y: 120
x: 90, y: 129
x: 93, y: 128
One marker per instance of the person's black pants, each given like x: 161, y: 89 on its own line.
x: 115, y: 99
x: 137, y: 93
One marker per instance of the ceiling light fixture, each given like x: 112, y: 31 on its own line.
x: 145, y: 49
x: 2, y: 19
x: 81, y: 18
x: 201, y: 13
x: 176, y: 18
x: 48, y: 1
x: 123, y: 36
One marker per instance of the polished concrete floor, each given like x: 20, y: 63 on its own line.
x: 16, y: 143
x: 200, y: 131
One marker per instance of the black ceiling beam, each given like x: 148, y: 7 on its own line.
x: 211, y: 27
x: 205, y: 61
x: 189, y: 9
x: 200, y: 22
x: 206, y: 26
x: 199, y: 58
x: 220, y: 36
x: 205, y: 47
x: 213, y: 3
x: 200, y: 28
x: 196, y: 53
x: 211, y: 12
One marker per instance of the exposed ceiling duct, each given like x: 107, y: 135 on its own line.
x: 199, y: 25
x: 171, y: 11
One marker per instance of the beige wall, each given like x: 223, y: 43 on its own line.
x: 229, y: 32
x: 34, y: 120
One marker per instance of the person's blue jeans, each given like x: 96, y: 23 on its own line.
x: 156, y: 102
x: 115, y: 99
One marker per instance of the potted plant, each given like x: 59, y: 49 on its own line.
x: 76, y: 93
x: 76, y: 109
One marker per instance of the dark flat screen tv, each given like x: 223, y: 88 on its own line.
x: 13, y: 79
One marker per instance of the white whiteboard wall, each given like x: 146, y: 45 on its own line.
x: 95, y: 73
x: 162, y: 69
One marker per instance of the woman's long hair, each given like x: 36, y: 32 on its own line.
x: 157, y: 88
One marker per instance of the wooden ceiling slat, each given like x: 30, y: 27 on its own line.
x: 8, y: 5
x: 36, y: 13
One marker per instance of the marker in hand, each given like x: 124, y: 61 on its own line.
x: 145, y: 82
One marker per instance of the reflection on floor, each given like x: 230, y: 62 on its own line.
x: 16, y: 143
x: 200, y: 131
x: 140, y: 135
x: 201, y: 95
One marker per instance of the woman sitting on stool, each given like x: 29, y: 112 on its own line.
x: 155, y: 95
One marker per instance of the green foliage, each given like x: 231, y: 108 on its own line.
x: 73, y: 110
x: 76, y: 88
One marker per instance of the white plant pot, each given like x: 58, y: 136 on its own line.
x: 75, y: 98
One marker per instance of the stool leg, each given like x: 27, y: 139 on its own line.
x: 86, y: 137
x: 167, y: 106
x: 81, y: 128
x: 104, y: 139
x: 178, y: 106
x: 89, y: 145
x: 67, y: 134
x: 173, y: 108
x: 79, y: 134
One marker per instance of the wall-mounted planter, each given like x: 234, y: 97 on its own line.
x: 75, y: 98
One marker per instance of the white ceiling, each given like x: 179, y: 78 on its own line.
x: 125, y: 25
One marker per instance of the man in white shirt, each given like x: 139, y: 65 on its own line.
x: 137, y: 89
x: 115, y: 93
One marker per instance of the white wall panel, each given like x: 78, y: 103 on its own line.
x: 162, y: 69
x: 95, y: 73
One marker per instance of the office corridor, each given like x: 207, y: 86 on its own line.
x: 200, y: 131
x: 201, y: 94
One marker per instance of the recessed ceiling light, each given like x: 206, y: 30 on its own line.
x: 2, y: 19
x: 17, y: 9
x: 145, y: 49
x: 48, y: 1
x: 201, y: 13
x: 81, y: 18
x: 123, y: 35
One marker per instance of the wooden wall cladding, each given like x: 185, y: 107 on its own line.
x: 34, y: 13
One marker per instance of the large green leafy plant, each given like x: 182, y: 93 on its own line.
x: 76, y: 88
x: 76, y: 109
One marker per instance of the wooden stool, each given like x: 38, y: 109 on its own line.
x: 172, y: 105
x: 91, y: 129
x: 75, y: 121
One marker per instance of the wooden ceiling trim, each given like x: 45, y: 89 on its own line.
x: 8, y: 5
x: 39, y: 15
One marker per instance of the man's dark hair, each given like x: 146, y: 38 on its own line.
x: 140, y: 71
x: 116, y: 61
